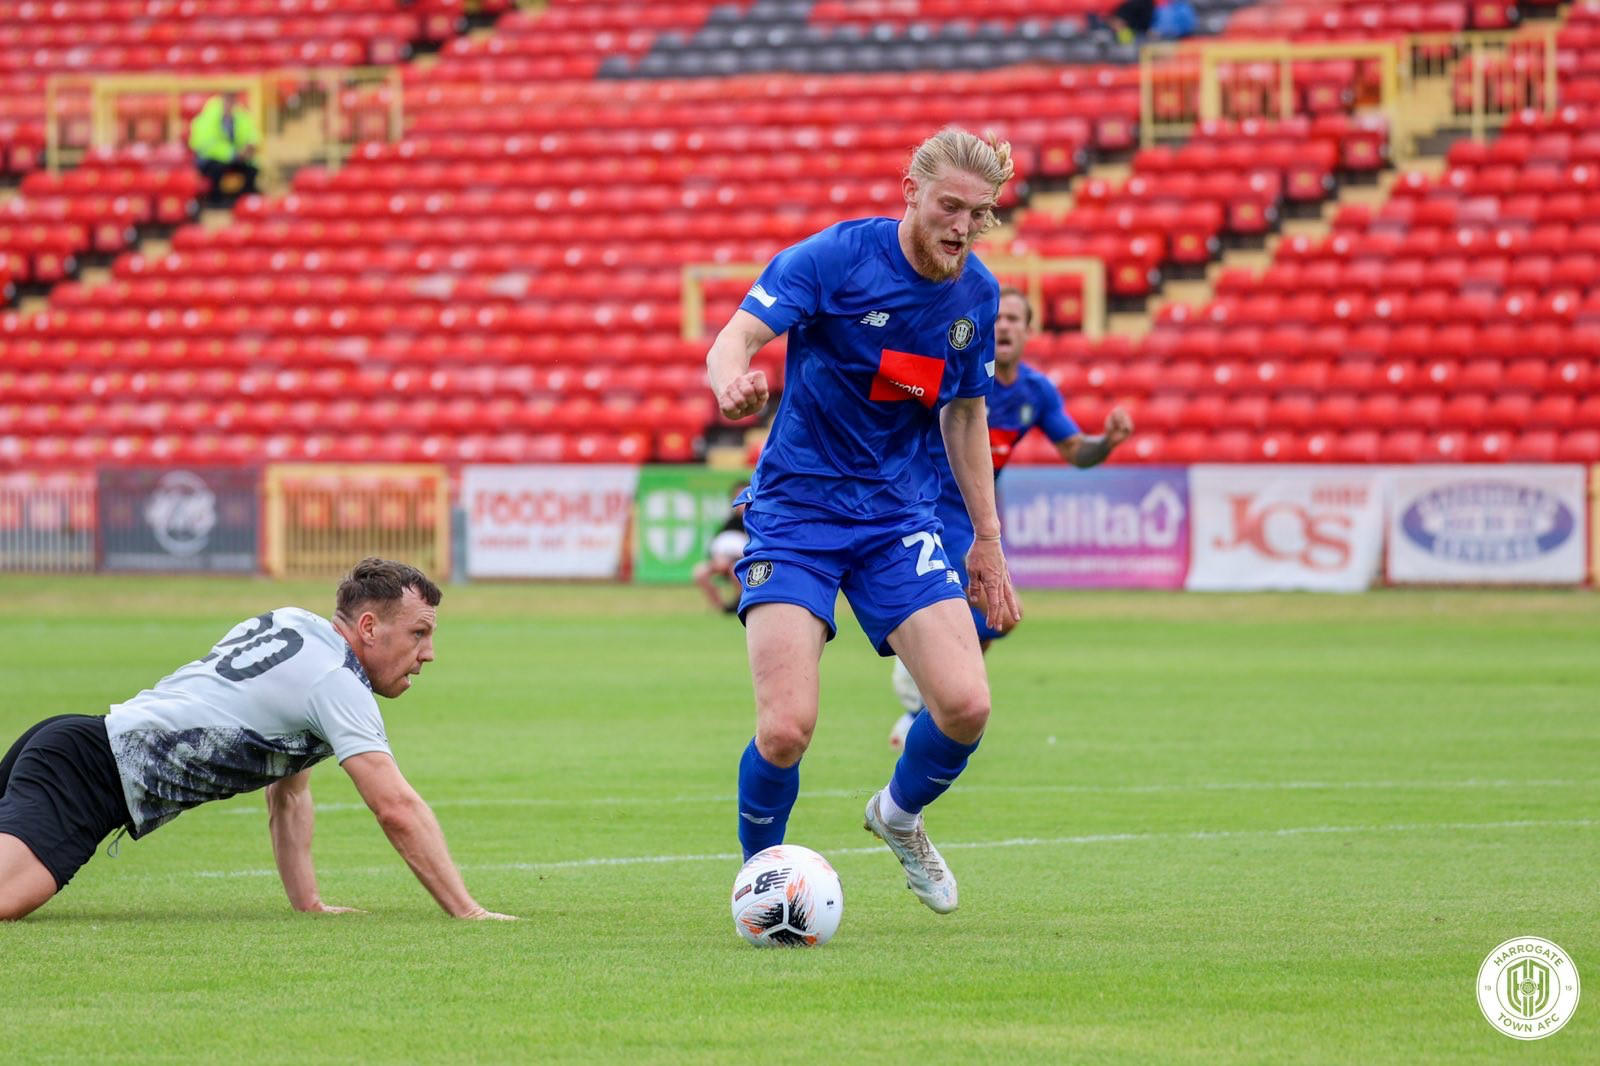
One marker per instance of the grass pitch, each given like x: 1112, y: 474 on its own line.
x: 1201, y: 829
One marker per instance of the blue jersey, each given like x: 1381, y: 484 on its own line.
x: 1014, y: 409
x: 875, y: 349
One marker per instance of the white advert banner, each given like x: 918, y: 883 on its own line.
x: 547, y: 521
x: 1500, y: 524
x: 1285, y: 527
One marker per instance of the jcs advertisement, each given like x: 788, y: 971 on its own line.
x: 1286, y: 527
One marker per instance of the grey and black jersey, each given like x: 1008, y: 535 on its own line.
x: 278, y: 693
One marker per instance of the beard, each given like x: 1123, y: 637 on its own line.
x: 929, y: 259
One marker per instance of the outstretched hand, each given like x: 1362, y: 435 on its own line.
x: 322, y: 908
x: 1119, y: 426
x: 479, y: 914
x: 744, y: 395
x: 989, y: 585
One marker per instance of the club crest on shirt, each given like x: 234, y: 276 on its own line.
x: 962, y: 330
x: 758, y: 574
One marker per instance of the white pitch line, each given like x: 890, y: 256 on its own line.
x: 974, y: 845
x: 1086, y: 790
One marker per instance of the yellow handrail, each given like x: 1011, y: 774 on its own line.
x: 104, y: 90
x: 1181, y: 85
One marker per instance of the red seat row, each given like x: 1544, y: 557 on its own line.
x: 1354, y: 446
x: 395, y: 446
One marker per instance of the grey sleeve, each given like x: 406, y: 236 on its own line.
x: 344, y: 712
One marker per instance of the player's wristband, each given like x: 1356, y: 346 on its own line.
x: 980, y: 536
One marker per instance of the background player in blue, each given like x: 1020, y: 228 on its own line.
x: 891, y: 332
x: 1022, y: 399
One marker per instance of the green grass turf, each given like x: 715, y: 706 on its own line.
x: 1202, y: 829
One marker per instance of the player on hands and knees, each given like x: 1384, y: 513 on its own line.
x: 1022, y: 399
x: 277, y: 694
x: 891, y: 332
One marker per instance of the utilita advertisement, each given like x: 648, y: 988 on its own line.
x: 1110, y: 527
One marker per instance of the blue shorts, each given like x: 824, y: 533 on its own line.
x: 887, y: 571
x: 958, y: 536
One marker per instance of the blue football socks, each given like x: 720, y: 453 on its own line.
x: 766, y: 796
x: 929, y: 764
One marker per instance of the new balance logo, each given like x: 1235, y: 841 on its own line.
x: 764, y: 298
x: 875, y: 318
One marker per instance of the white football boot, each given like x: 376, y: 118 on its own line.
x: 926, y: 873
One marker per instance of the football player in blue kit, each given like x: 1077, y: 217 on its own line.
x: 1023, y: 399
x: 891, y: 332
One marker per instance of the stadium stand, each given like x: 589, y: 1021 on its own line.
x: 504, y: 282
x: 60, y: 218
x: 1458, y: 320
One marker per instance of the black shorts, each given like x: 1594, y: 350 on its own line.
x: 60, y: 792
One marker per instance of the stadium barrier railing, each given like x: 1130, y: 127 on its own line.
x: 47, y: 521
x: 302, y: 112
x: 319, y: 518
x: 1185, y: 84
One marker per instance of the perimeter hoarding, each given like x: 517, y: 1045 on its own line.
x: 567, y: 521
x: 200, y: 520
x: 1488, y: 525
x: 1286, y: 527
x: 1109, y: 527
x: 678, y: 510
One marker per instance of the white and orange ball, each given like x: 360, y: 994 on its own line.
x: 787, y: 896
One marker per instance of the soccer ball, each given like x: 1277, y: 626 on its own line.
x: 787, y: 896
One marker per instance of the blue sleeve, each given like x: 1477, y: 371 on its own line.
x: 1052, y: 413
x: 790, y: 288
x: 977, y: 377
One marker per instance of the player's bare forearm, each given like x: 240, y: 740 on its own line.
x: 1084, y: 452
x: 1090, y: 451
x: 964, y: 422
x: 290, y: 820
x: 740, y: 391
x: 413, y: 830
x: 416, y: 835
x: 965, y: 425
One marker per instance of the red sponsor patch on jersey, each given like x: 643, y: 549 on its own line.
x: 903, y: 376
x: 1001, y: 441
